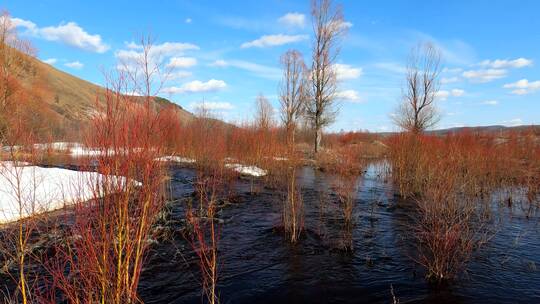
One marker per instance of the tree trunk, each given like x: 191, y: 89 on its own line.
x: 318, y: 137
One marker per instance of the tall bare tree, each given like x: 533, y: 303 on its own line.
x: 264, y: 115
x: 293, y: 91
x: 328, y: 27
x: 417, y: 111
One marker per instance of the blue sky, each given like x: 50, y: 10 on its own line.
x: 227, y: 52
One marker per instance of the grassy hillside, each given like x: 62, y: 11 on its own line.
x: 73, y: 100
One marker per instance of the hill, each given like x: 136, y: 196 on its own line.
x: 70, y: 101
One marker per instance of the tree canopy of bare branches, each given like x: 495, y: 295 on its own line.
x: 264, y: 113
x: 417, y: 111
x: 293, y: 91
x: 328, y: 27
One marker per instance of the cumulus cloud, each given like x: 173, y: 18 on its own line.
x: 349, y: 96
x: 68, y: 33
x: 446, y: 80
x: 273, y: 40
x: 182, y: 62
x: 506, y: 63
x: 485, y: 75
x: 131, y: 57
x: 293, y: 20
x: 17, y: 22
x: 345, y: 71
x: 166, y: 49
x: 491, y: 102
x: 212, y: 105
x: 443, y: 94
x: 197, y: 86
x: 523, y: 86
x: 50, y: 61
x: 74, y: 65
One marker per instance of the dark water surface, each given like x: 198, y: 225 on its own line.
x: 258, y: 265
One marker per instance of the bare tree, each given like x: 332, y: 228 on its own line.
x: 264, y: 116
x: 417, y: 111
x: 329, y: 27
x: 293, y: 91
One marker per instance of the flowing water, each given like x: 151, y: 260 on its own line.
x: 258, y: 265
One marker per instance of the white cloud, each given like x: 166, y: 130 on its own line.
x: 452, y: 70
x: 132, y: 45
x: 293, y: 20
x: 345, y: 71
x: 486, y: 75
x: 457, y: 92
x: 188, y: 20
x: 491, y: 102
x: 346, y: 24
x: 179, y: 75
x: 506, y: 63
x: 212, y: 105
x: 131, y: 58
x: 523, y: 86
x: 50, y: 61
x: 443, y: 94
x: 68, y: 33
x: 219, y: 63
x: 273, y: 40
x: 74, y: 65
x: 198, y: 86
x: 349, y: 95
x: 182, y: 62
x: 446, y: 80
x: 255, y: 68
x: 166, y: 49
x: 17, y: 22
x: 513, y: 122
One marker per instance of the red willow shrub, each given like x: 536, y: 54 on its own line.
x: 292, y: 215
x: 449, y: 225
x: 204, y: 232
x: 452, y: 178
x: 102, y: 258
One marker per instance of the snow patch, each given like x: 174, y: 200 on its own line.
x: 247, y: 170
x: 27, y: 190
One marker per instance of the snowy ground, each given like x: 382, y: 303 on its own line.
x: 247, y: 170
x: 27, y: 190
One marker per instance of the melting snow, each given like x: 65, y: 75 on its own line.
x: 28, y: 190
x: 247, y: 170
